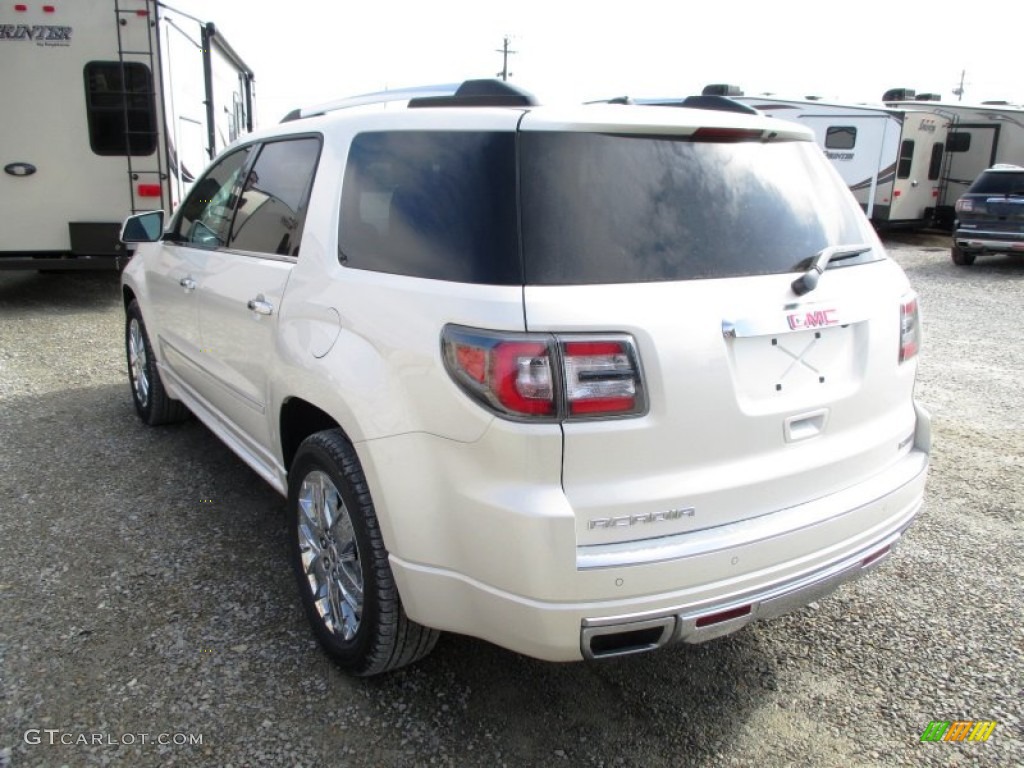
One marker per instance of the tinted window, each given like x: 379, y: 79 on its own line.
x: 999, y: 183
x: 613, y: 209
x: 120, y: 108
x: 272, y: 202
x: 205, y: 217
x: 840, y: 137
x: 432, y: 204
x: 935, y: 164
x: 958, y: 142
x: 906, y: 159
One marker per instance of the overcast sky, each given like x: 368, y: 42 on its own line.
x: 309, y: 51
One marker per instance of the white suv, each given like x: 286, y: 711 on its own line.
x: 579, y: 381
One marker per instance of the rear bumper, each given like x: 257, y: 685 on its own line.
x: 973, y: 241
x: 758, y: 580
x: 494, y: 554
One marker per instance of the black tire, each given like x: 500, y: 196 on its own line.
x: 960, y: 258
x: 363, y: 626
x: 152, y: 403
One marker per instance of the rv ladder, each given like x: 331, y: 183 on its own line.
x: 141, y: 181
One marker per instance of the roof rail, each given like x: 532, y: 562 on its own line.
x: 471, y: 93
x: 377, y: 97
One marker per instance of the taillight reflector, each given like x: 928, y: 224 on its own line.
x: 910, y: 328
x: 20, y: 8
x: 49, y: 9
x: 896, y: 194
x: 718, y: 618
x: 149, y: 190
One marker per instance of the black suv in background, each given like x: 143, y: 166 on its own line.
x: 990, y: 215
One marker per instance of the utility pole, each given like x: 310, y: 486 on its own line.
x: 504, y: 51
x: 959, y: 91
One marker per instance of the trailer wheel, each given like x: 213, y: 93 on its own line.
x: 960, y: 258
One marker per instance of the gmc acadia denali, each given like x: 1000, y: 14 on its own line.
x: 581, y: 381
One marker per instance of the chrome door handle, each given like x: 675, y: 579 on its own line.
x: 260, y: 306
x: 187, y: 283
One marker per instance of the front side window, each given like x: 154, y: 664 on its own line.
x: 120, y: 107
x: 433, y: 204
x: 272, y: 202
x: 204, y: 219
x: 840, y: 137
x: 599, y: 208
x: 906, y: 159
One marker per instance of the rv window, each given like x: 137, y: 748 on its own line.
x: 958, y: 142
x: 272, y: 204
x: 120, y: 107
x: 906, y: 159
x: 840, y: 137
x: 935, y: 165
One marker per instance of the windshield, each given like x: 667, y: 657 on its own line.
x: 600, y: 208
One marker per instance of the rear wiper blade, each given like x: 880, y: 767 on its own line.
x: 808, y: 281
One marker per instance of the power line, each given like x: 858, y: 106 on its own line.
x: 505, y: 53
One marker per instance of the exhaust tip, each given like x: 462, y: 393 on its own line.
x: 626, y: 639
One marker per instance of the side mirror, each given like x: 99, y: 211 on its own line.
x: 143, y: 227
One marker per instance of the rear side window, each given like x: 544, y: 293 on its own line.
x: 840, y: 137
x: 600, y: 208
x: 120, y: 107
x: 906, y: 159
x: 433, y: 204
x: 999, y: 183
x: 272, y: 201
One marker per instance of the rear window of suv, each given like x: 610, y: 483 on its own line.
x: 599, y: 208
x: 587, y: 208
x: 999, y: 183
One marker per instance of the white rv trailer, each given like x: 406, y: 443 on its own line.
x: 979, y: 137
x: 110, y: 107
x: 890, y: 158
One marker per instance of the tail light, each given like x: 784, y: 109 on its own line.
x: 964, y: 204
x: 910, y: 328
x: 546, y: 377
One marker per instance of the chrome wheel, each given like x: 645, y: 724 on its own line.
x: 330, y: 555
x: 137, y: 362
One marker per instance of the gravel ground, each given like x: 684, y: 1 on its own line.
x: 144, y: 590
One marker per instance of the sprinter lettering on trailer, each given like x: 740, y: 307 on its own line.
x: 39, y: 33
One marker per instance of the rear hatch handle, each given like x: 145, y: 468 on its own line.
x: 808, y: 281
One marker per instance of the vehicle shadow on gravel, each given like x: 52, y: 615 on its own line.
x: 476, y: 704
x: 95, y: 291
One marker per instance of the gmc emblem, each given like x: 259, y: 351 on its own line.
x: 819, y: 318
